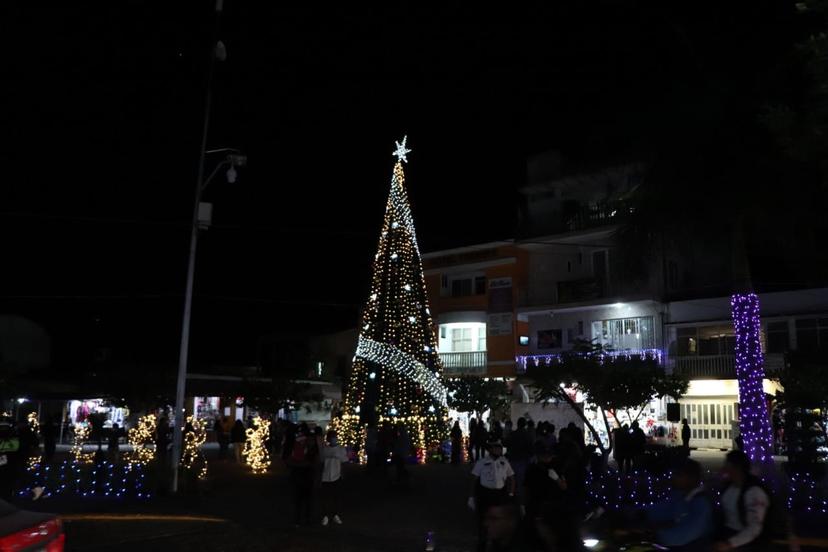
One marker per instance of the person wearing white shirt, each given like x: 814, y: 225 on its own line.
x: 745, y: 506
x: 332, y: 456
x: 493, y: 485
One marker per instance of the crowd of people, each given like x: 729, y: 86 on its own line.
x: 529, y: 493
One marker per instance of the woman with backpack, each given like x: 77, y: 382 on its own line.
x: 302, y: 460
x: 745, y: 507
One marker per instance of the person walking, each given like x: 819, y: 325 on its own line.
x: 493, y: 485
x: 113, y: 446
x: 456, y: 443
x: 238, y: 436
x: 472, y: 437
x: 546, y: 500
x: 518, y: 451
x: 638, y: 443
x: 402, y: 450
x: 685, y: 436
x: 333, y: 456
x: 745, y: 505
x: 301, y: 460
x: 49, y: 432
x: 685, y: 518
x: 620, y: 440
x: 479, y: 438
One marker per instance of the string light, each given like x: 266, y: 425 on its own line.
x: 193, y: 454
x: 754, y: 422
x: 255, y: 449
x: 397, y: 371
x: 551, y: 359
x: 141, y: 437
x: 81, y: 435
x: 34, y: 427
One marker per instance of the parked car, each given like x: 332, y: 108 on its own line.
x: 23, y: 531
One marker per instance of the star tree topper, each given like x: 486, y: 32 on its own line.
x: 401, y: 150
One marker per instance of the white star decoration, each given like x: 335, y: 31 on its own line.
x: 401, y: 150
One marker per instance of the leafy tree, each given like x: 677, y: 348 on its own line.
x: 611, y: 384
x: 476, y: 395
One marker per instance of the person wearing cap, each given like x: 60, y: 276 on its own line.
x: 493, y: 485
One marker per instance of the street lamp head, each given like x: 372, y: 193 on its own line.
x: 235, y: 160
x: 232, y: 175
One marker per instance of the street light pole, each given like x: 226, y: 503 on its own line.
x: 183, y: 354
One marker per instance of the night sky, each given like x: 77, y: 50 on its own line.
x: 102, y: 118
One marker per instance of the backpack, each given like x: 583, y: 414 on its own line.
x: 299, y: 454
x: 776, y: 522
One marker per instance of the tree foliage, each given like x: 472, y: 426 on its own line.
x: 476, y: 395
x: 610, y: 384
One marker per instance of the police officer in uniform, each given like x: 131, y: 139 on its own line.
x: 493, y: 485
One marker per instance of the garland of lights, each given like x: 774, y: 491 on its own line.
x: 103, y: 479
x: 754, y: 423
x: 141, y: 437
x: 391, y: 357
x: 34, y: 427
x: 255, y: 449
x: 396, y: 374
x: 81, y: 435
x: 523, y: 361
x: 193, y: 441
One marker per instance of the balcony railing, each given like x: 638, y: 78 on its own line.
x: 472, y: 362
x: 720, y: 366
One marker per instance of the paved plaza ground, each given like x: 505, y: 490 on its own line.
x: 238, y: 511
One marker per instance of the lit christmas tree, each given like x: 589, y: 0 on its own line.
x: 397, y: 375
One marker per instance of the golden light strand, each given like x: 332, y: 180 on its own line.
x: 141, y: 437
x: 255, y: 449
x: 193, y: 441
x: 81, y: 435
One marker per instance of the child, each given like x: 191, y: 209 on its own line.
x: 332, y: 456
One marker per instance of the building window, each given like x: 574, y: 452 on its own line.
x: 550, y: 339
x: 811, y: 334
x: 462, y: 337
x: 480, y: 285
x: 777, y: 337
x: 461, y: 288
x: 706, y: 341
x: 624, y: 333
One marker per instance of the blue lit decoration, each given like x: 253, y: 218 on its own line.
x: 638, y: 489
x: 101, y: 480
x: 754, y: 422
x: 805, y: 496
x: 523, y: 361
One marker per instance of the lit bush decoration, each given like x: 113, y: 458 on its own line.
x: 81, y: 435
x: 255, y: 449
x: 193, y: 454
x: 754, y: 423
x: 396, y: 374
x: 142, y: 439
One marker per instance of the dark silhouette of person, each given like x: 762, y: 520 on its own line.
x: 238, y: 436
x: 49, y: 433
x: 456, y: 443
x: 638, y: 442
x: 685, y: 435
